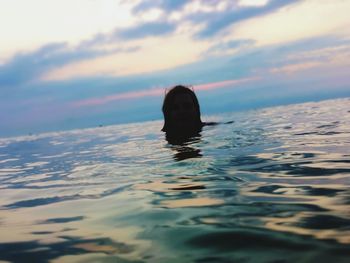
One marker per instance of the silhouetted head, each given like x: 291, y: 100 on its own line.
x: 181, y: 111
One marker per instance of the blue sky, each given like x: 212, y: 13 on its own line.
x: 71, y: 64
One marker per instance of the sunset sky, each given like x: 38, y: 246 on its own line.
x: 79, y: 63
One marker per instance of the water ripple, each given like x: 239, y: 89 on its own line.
x: 274, y: 182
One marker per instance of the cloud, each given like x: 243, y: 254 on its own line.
x: 146, y: 30
x: 302, y: 20
x: 337, y: 56
x: 168, y: 5
x: 293, y: 68
x: 24, y: 67
x: 216, y: 15
x: 119, y: 96
x: 154, y: 54
x: 166, y: 44
x: 27, y: 25
x: 224, y: 84
x: 232, y: 45
x: 252, y: 2
x: 156, y: 92
x: 219, y: 21
x: 335, y: 52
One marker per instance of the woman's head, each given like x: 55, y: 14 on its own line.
x: 181, y: 111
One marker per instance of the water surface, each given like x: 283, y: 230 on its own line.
x: 273, y: 186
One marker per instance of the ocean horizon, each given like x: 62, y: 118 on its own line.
x: 157, y: 116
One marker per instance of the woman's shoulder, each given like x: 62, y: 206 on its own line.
x: 210, y: 123
x: 216, y: 123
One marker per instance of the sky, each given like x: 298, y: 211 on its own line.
x: 73, y: 64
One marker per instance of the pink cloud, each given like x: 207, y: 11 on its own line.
x: 222, y: 84
x: 156, y: 92
x: 294, y: 68
x: 120, y: 96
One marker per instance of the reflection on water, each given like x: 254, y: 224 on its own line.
x: 34, y: 251
x: 272, y: 186
x: 185, y: 151
x: 182, y: 146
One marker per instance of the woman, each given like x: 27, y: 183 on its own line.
x: 182, y: 116
x: 181, y: 112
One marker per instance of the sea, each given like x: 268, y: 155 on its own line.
x: 265, y: 185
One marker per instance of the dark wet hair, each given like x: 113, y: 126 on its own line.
x: 168, y: 103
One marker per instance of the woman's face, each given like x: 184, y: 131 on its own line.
x: 183, y: 111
